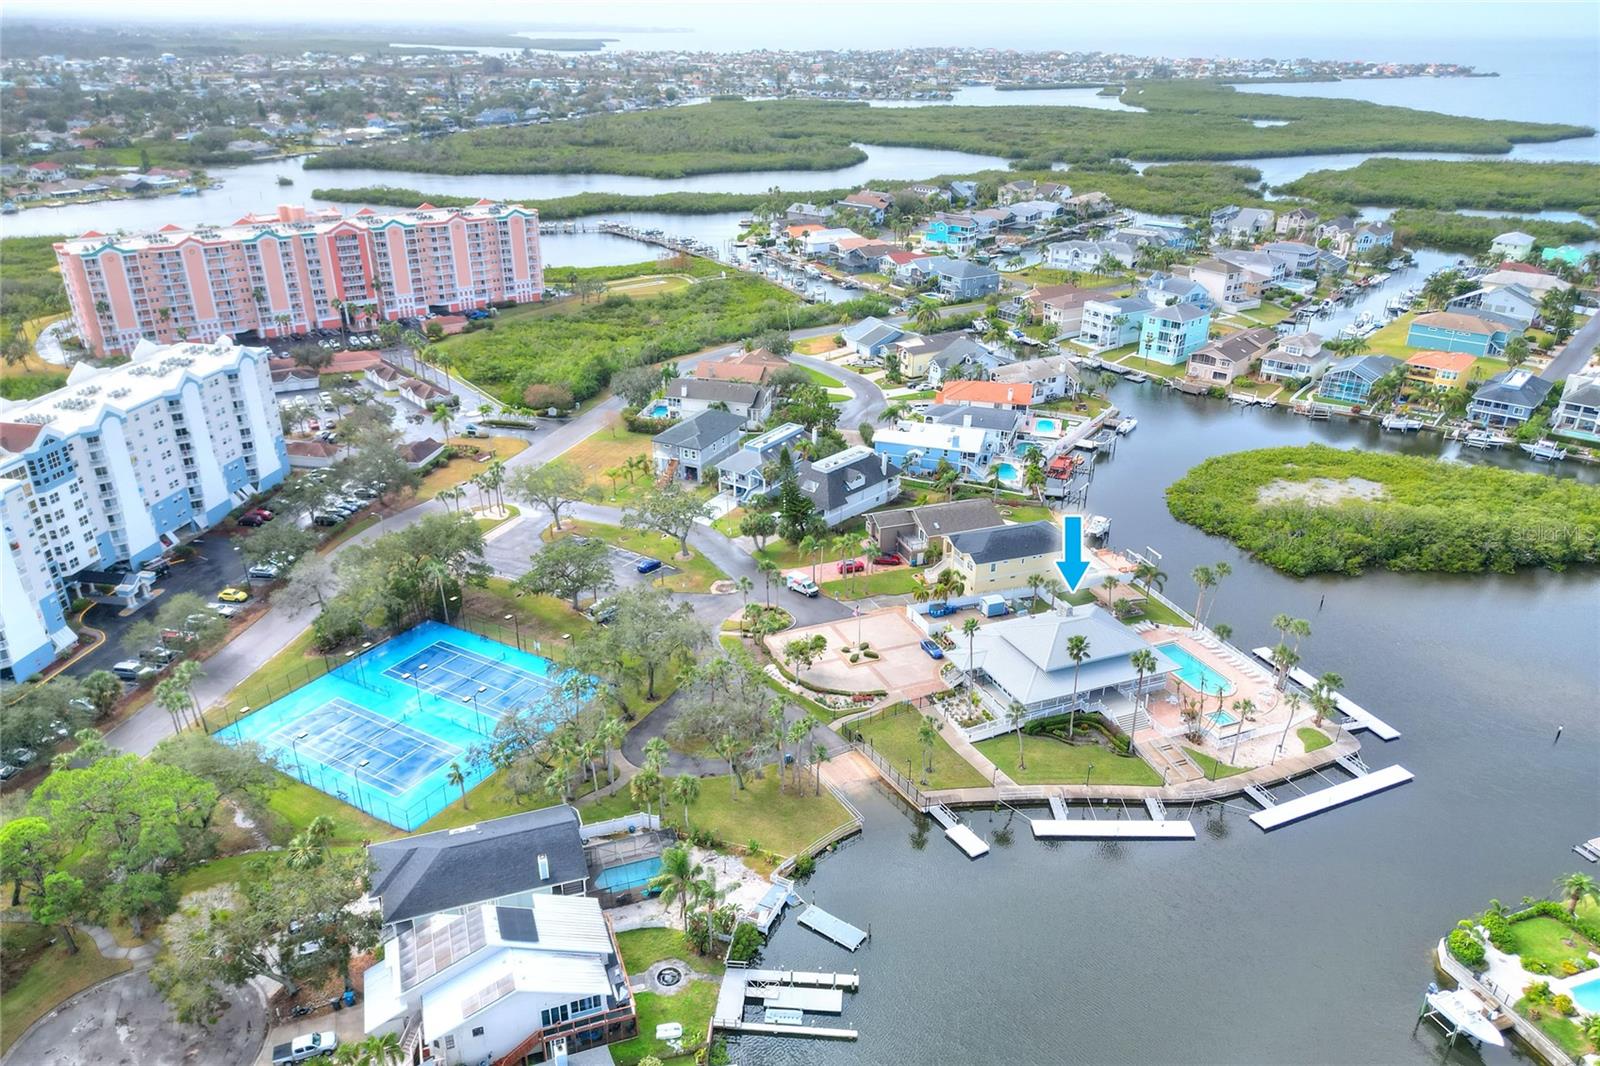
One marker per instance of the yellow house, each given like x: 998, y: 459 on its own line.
x: 1001, y: 558
x: 1447, y: 369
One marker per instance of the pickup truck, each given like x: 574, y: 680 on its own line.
x: 303, y: 1047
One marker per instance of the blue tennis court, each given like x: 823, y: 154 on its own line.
x: 382, y: 731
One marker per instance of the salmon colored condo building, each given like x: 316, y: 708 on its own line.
x: 293, y: 271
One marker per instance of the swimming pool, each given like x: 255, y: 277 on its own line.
x: 1044, y: 425
x: 660, y: 410
x: 1196, y: 674
x: 629, y: 875
x: 1007, y: 472
x: 1587, y: 995
x: 1222, y: 718
x: 383, y: 731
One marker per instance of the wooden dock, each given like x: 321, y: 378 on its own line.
x: 1105, y: 829
x: 833, y: 928
x: 1360, y: 717
x: 1326, y: 799
x: 960, y: 835
x: 781, y: 991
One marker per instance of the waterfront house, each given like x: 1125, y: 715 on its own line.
x: 1351, y: 379
x: 871, y: 337
x: 1579, y: 409
x: 1052, y: 377
x: 807, y: 214
x: 910, y: 531
x: 743, y: 475
x: 1001, y: 423
x: 953, y: 233
x: 1164, y: 289
x: 969, y: 360
x: 1224, y: 283
x: 1090, y: 204
x: 991, y: 220
x: 1337, y: 231
x: 1370, y: 235
x: 824, y: 241
x: 1513, y: 305
x: 919, y: 447
x: 1454, y: 331
x: 1033, y: 212
x: 689, y: 450
x: 1527, y: 275
x: 960, y: 279
x: 490, y: 949
x: 1294, y: 221
x: 753, y: 367
x: 1297, y: 356
x: 1001, y: 558
x: 1170, y: 334
x: 869, y: 202
x: 1508, y: 399
x: 1112, y: 323
x: 690, y: 396
x: 1220, y: 361
x: 1087, y: 256
x: 864, y: 257
x: 1004, y: 395
x: 1296, y: 257
x: 1160, y: 234
x: 1245, y: 223
x: 1064, y: 310
x: 916, y: 352
x: 1261, y: 269
x: 1512, y: 245
x: 848, y: 483
x: 1443, y: 369
x: 1024, y: 189
x: 1024, y: 660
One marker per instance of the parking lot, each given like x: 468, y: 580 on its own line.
x: 509, y: 548
x: 215, y: 565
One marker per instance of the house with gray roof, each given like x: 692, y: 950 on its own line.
x: 1350, y: 380
x: 1508, y: 399
x: 1114, y: 322
x: 1512, y: 245
x: 743, y: 475
x: 689, y: 450
x: 960, y: 279
x: 910, y: 531
x: 1297, y: 356
x: 1001, y: 558
x: 690, y: 396
x: 1245, y: 223
x: 1052, y: 377
x: 871, y: 337
x: 1579, y: 409
x: 848, y: 483
x: 1510, y: 305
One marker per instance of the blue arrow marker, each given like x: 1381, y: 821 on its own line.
x: 1072, y: 565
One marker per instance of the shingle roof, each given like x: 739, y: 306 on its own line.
x: 831, y: 481
x: 419, y: 875
x: 700, y: 431
x: 1000, y: 543
x: 1515, y: 386
x: 1241, y: 347
x: 1457, y: 321
x: 713, y: 390
x: 961, y: 414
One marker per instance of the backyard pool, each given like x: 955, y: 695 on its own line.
x: 634, y: 874
x: 660, y: 410
x: 1196, y: 674
x: 1007, y: 472
x: 1044, y: 425
x: 1587, y: 995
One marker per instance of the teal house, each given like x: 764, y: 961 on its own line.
x: 1453, y: 331
x: 1171, y: 333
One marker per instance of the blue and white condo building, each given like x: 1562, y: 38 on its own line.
x: 118, y: 466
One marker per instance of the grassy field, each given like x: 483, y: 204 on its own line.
x: 827, y: 381
x: 898, y: 581
x: 816, y: 346
x: 695, y: 574
x: 1542, y: 939
x: 545, y: 622
x: 690, y: 1008
x: 449, y: 475
x: 894, y: 736
x: 1214, y: 769
x: 1051, y: 761
x: 780, y: 824
x: 1043, y: 275
x: 1391, y: 339
x: 608, y: 449
x: 643, y: 948
x: 1312, y: 739
x: 55, y: 975
x: 1154, y: 369
x: 1564, y: 1031
x: 297, y: 804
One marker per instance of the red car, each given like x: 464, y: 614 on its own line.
x: 852, y: 566
x: 889, y: 559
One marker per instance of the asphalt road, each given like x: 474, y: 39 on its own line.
x: 1576, y: 355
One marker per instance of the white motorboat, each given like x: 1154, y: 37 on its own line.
x: 1127, y: 425
x: 1096, y: 526
x: 1467, y: 1014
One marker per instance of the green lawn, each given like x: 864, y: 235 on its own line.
x: 1564, y: 1031
x: 781, y: 824
x: 1051, y: 761
x: 1268, y: 314
x: 1312, y: 739
x: 1024, y: 512
x: 449, y: 475
x: 1391, y: 339
x: 690, y: 1008
x: 1213, y: 768
x: 695, y: 574
x: 894, y: 736
x: 608, y: 449
x: 1543, y: 940
x: 643, y: 948
x: 1158, y: 612
x: 734, y: 646
x: 487, y: 524
x: 297, y: 804
x: 541, y: 620
x: 899, y: 580
x: 827, y: 381
x: 225, y: 870
x: 1154, y: 369
x: 54, y: 976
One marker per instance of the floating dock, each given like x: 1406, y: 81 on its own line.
x: 960, y: 835
x: 782, y: 993
x: 1122, y: 829
x: 1360, y: 717
x: 796, y: 998
x: 1282, y: 814
x: 835, y: 929
x: 771, y: 907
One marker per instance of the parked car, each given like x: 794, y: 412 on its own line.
x: 158, y: 567
x: 159, y: 655
x: 648, y: 566
x: 263, y: 572
x: 251, y: 520
x: 132, y: 670
x: 21, y: 756
x: 852, y: 566
x: 303, y: 1047
x: 233, y: 595
x: 603, y: 612
x: 888, y: 559
x: 223, y: 610
x: 933, y: 649
x: 802, y: 584
x: 8, y: 772
x: 323, y: 518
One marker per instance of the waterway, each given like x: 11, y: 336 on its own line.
x: 1308, y: 945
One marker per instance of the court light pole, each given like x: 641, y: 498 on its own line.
x: 517, y: 622
x: 356, y: 773
x: 240, y: 713
x: 294, y: 742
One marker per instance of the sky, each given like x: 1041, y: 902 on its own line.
x: 1447, y: 30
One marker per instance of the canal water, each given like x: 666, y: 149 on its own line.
x: 1307, y: 945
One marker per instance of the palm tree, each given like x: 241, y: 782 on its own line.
x: 1143, y: 662
x: 382, y: 1049
x: 1204, y: 578
x: 1576, y: 888
x: 1016, y: 714
x: 1035, y: 582
x: 1322, y: 701
x: 799, y: 729
x: 1150, y: 576
x: 948, y: 584
x: 686, y: 790
x: 1077, y: 651
x: 926, y: 316
x: 728, y: 747
x: 655, y: 753
x: 679, y: 872
x: 1218, y: 572
x: 812, y: 545
x: 1242, y: 709
x: 970, y: 629
x: 744, y: 585
x: 442, y: 416
x: 767, y: 568
x: 609, y: 733
x: 927, y: 736
x: 454, y: 776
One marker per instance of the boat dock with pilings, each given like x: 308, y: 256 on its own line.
x: 1360, y: 717
x: 783, y: 994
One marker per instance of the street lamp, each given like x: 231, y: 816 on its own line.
x: 1087, y: 774
x: 356, y: 773
x: 514, y: 620
x: 473, y: 696
x: 294, y: 743
x: 240, y: 713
